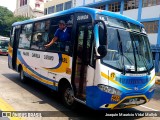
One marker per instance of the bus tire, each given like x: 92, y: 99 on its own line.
x: 22, y: 76
x: 68, y: 97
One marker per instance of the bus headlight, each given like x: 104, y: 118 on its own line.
x: 152, y: 88
x: 109, y: 89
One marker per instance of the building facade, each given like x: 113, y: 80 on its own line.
x: 30, y: 8
x: 145, y: 11
x: 52, y: 6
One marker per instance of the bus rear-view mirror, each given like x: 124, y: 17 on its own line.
x: 102, y: 51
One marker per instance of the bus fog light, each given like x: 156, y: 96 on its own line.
x: 109, y: 89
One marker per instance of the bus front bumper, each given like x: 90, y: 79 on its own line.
x: 100, y: 100
x: 129, y: 101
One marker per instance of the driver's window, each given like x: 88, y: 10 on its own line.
x: 126, y: 42
x: 113, y: 42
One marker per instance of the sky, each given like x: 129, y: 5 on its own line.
x: 10, y: 4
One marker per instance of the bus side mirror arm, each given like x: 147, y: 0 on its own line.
x: 102, y: 51
x: 102, y: 48
x: 104, y: 26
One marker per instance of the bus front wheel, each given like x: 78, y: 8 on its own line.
x: 22, y: 76
x: 68, y: 97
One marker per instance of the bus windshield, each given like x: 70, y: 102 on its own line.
x: 4, y: 44
x: 127, y: 51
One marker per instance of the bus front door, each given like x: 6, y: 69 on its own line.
x: 15, y: 47
x: 82, y: 59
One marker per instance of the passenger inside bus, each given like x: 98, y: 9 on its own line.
x: 39, y: 41
x: 63, y: 33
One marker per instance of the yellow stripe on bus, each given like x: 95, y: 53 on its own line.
x: 36, y: 76
x: 39, y: 78
x: 112, y: 106
x: 65, y: 64
x: 113, y: 80
x: 10, y: 50
x: 148, y: 83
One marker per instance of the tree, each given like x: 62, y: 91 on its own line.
x: 7, y: 19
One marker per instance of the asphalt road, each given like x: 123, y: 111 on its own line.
x: 32, y: 96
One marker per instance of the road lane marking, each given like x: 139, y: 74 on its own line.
x: 148, y: 108
x: 4, y: 106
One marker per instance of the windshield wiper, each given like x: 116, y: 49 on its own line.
x: 144, y: 61
x: 145, y: 64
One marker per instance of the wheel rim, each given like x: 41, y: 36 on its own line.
x: 68, y: 96
x: 22, y: 75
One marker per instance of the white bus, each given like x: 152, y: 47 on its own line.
x: 107, y: 64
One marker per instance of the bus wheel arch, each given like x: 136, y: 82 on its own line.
x: 66, y: 93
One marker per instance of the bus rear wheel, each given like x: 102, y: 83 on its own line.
x: 22, y: 76
x: 68, y: 97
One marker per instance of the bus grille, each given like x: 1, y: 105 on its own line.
x: 132, y: 81
x: 131, y: 101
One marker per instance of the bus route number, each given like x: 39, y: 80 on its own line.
x: 115, y: 98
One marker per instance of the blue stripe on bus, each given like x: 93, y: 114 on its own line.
x: 59, y: 64
x: 23, y: 62
x: 50, y: 86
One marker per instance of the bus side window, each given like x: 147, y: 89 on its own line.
x: 25, y: 36
x: 60, y: 45
x: 40, y: 35
x: 12, y: 36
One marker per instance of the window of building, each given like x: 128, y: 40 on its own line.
x: 37, y: 5
x: 131, y: 4
x: 23, y: 2
x: 40, y: 35
x: 67, y: 5
x: 51, y: 10
x: 147, y: 3
x: 151, y: 27
x: 45, y: 11
x: 115, y: 7
x: 102, y: 7
x: 59, y: 7
x: 25, y: 36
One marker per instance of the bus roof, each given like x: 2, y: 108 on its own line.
x: 91, y: 11
x: 4, y: 38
